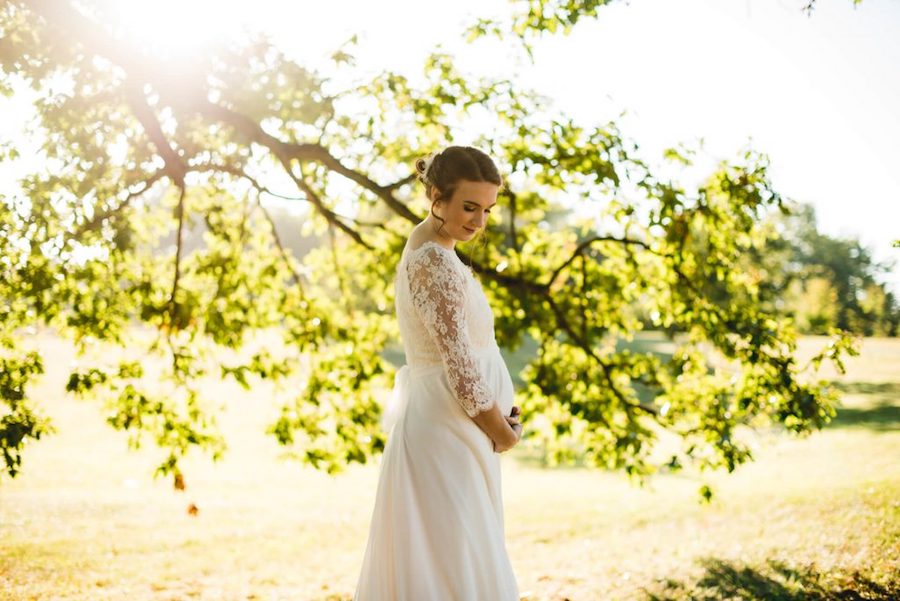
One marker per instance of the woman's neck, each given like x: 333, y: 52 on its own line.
x: 430, y: 226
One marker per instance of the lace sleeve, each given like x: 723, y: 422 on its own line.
x: 438, y: 292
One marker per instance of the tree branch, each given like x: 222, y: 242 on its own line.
x: 401, y: 182
x: 585, y: 243
x: 179, y: 213
x: 330, y: 215
x: 588, y: 349
x: 102, y: 216
x: 175, y: 167
x: 281, y: 250
x: 304, y: 153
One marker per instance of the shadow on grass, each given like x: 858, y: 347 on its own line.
x: 883, y: 413
x: 777, y: 581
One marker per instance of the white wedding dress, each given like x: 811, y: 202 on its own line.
x: 437, y: 531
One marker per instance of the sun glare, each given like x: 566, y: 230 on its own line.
x: 183, y: 29
x: 174, y: 29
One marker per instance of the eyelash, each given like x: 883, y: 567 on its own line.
x: 470, y: 209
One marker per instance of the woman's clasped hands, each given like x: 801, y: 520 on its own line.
x: 514, y: 420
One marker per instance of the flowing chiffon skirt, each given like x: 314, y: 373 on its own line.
x: 437, y: 531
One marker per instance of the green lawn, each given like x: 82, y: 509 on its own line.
x: 817, y: 518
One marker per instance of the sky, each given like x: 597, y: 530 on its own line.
x: 819, y: 94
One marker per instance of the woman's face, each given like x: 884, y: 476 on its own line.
x: 468, y: 209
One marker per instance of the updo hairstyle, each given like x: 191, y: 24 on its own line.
x: 441, y: 172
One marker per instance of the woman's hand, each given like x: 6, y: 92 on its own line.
x: 513, y: 419
x: 496, y: 425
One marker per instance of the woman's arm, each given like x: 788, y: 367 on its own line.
x: 439, y: 295
x: 438, y: 291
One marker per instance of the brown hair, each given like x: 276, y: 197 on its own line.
x: 445, y: 169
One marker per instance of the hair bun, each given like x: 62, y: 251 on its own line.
x: 424, y: 167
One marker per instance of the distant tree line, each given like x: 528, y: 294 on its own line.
x: 826, y: 282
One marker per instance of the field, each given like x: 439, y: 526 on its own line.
x: 812, y: 518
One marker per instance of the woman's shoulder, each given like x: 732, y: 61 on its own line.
x: 432, y: 259
x: 437, y: 249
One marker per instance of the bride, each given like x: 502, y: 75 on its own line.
x: 437, y: 528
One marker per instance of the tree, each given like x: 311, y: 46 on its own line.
x: 136, y: 149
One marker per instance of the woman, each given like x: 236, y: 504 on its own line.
x: 437, y: 527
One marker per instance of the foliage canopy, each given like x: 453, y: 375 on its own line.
x: 137, y: 153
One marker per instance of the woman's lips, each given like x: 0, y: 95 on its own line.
x: 469, y: 229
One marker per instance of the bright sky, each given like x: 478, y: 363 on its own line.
x: 818, y: 94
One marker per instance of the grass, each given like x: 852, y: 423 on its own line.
x: 812, y: 518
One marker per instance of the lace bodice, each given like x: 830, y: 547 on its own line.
x: 444, y: 316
